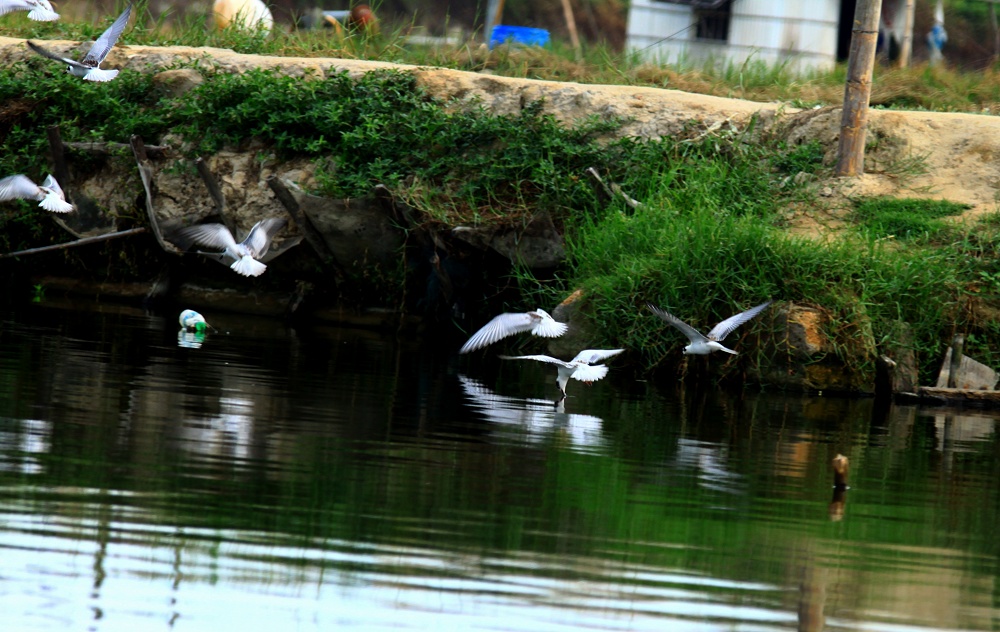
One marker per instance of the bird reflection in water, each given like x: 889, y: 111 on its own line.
x: 536, y: 418
x: 710, y: 463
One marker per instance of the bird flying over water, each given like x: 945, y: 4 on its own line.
x: 246, y: 252
x: 583, y: 367
x: 49, y: 195
x: 538, y: 322
x: 90, y: 68
x: 703, y: 345
x: 38, y: 10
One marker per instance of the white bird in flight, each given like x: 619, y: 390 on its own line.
x: 538, y: 322
x: 49, y: 195
x: 246, y: 252
x: 703, y: 345
x: 582, y: 367
x: 38, y: 10
x: 90, y: 68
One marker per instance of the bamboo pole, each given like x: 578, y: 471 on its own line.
x: 906, y: 46
x: 857, y: 92
x: 574, y: 37
x: 494, y: 16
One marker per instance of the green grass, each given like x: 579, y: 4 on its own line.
x: 693, y: 252
x: 806, y: 157
x: 905, y: 218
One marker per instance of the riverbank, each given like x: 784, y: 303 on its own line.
x: 480, y: 185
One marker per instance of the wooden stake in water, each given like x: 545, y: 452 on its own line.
x: 864, y: 36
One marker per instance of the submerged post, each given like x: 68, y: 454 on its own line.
x: 857, y: 91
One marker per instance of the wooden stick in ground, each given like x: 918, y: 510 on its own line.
x: 906, y: 46
x: 146, y: 175
x: 614, y: 189
x: 574, y: 37
x: 213, y: 190
x: 494, y: 16
x: 857, y: 92
x: 312, y: 235
x: 79, y: 242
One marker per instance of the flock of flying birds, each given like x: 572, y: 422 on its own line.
x: 49, y: 194
x: 246, y: 254
x: 584, y: 367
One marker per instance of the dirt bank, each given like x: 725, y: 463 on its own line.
x: 928, y: 154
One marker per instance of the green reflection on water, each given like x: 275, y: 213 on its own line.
x: 736, y: 488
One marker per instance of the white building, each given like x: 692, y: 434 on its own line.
x: 801, y: 33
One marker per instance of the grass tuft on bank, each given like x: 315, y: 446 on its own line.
x: 696, y: 253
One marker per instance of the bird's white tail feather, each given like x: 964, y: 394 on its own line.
x: 55, y: 204
x: 99, y: 74
x: 42, y: 15
x: 548, y: 328
x: 248, y: 266
x: 590, y: 373
x: 729, y: 351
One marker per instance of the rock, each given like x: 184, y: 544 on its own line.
x: 897, y: 368
x: 358, y: 231
x: 580, y: 334
x: 536, y: 246
x: 973, y: 375
x: 178, y: 81
x: 802, y: 355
